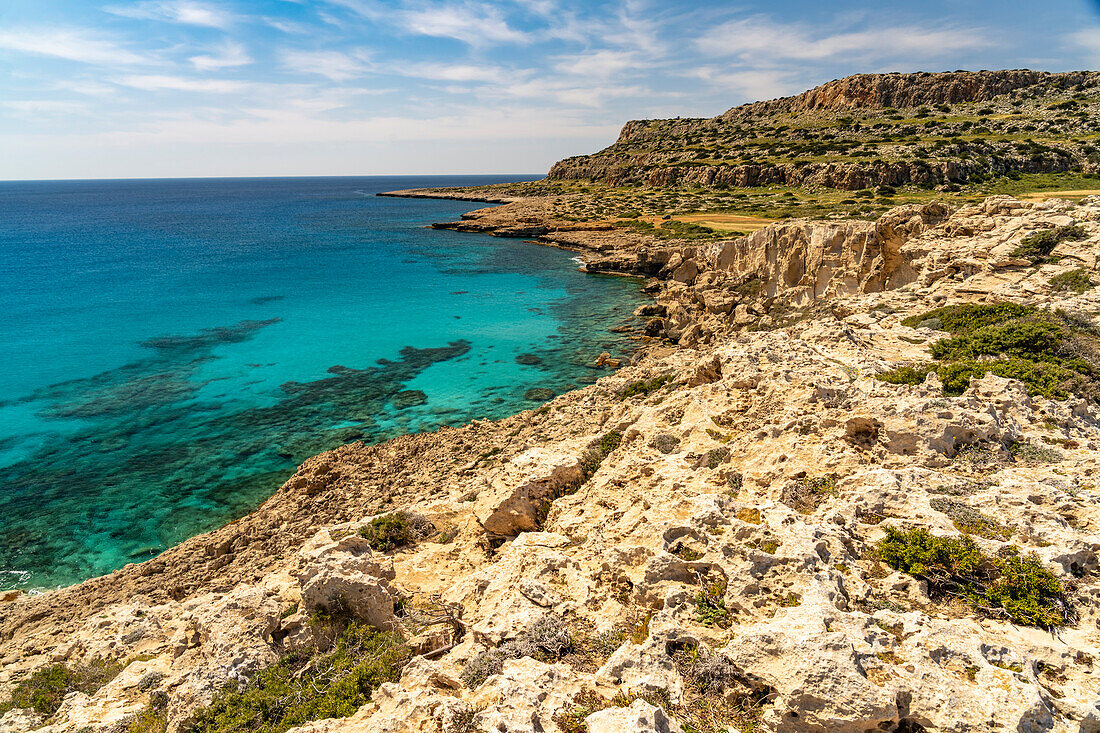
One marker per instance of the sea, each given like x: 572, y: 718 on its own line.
x: 170, y: 350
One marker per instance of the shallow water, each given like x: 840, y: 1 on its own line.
x: 173, y: 349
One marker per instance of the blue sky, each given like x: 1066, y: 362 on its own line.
x: 125, y: 88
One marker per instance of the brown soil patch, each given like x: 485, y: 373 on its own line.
x: 727, y: 222
x: 1073, y: 195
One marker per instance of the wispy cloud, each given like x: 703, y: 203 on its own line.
x: 474, y: 23
x: 335, y: 65
x: 159, y: 83
x: 759, y: 40
x: 456, y: 72
x: 37, y: 107
x: 187, y: 12
x: 748, y: 84
x: 1089, y: 40
x: 70, y: 44
x: 227, y: 55
x: 603, y: 63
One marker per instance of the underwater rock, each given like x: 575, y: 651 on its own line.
x: 539, y: 394
x: 408, y: 398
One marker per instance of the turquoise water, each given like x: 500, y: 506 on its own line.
x: 172, y: 349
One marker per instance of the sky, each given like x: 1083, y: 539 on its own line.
x: 174, y: 88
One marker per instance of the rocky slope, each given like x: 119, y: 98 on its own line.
x: 897, y: 129
x: 696, y: 542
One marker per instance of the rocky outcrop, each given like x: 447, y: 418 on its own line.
x: 915, y: 90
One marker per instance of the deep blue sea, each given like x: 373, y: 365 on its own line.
x: 171, y: 349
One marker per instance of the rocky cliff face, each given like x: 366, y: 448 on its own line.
x: 692, y: 541
x: 953, y: 127
x: 875, y: 91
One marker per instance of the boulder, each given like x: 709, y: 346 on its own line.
x: 638, y: 717
x: 344, y: 573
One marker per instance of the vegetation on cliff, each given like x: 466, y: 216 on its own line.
x: 308, y: 685
x: 1011, y: 586
x: 1053, y: 353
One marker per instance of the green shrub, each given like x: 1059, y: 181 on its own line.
x: 710, y: 606
x: 1076, y: 281
x: 1038, y: 246
x: 610, y: 441
x: 959, y: 318
x: 913, y: 374
x: 44, y: 690
x: 302, y: 687
x: 644, y: 386
x: 1049, y: 352
x: 391, y: 531
x: 1013, y: 587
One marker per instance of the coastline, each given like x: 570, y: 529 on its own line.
x: 221, y: 544
x: 757, y: 382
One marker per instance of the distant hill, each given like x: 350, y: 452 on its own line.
x: 868, y: 130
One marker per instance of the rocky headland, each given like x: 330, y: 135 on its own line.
x: 847, y: 483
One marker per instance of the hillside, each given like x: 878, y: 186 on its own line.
x: 867, y: 131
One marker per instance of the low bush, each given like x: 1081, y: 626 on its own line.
x: 805, y: 495
x: 44, y: 690
x: 547, y: 640
x: 307, y: 685
x: 969, y: 520
x: 1051, y: 352
x: 391, y: 531
x: 644, y: 387
x: 1038, y: 246
x: 1076, y: 281
x: 1016, y: 588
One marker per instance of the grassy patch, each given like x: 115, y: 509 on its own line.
x: 710, y: 605
x: 1026, y: 452
x: 805, y: 495
x: 44, y: 690
x: 309, y: 685
x: 1012, y: 587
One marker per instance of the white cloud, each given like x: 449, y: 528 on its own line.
x: 603, y: 63
x: 759, y: 41
x: 227, y: 55
x: 158, y: 82
x: 334, y: 65
x: 455, y: 72
x: 70, y: 44
x: 1089, y: 40
x: 186, y: 12
x: 748, y: 84
x: 473, y: 22
x: 39, y: 107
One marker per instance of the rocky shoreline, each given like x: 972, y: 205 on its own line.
x: 699, y: 535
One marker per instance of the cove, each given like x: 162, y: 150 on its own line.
x: 173, y: 349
